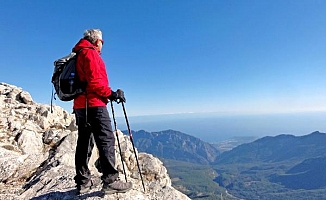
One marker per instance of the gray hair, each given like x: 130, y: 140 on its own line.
x: 92, y: 35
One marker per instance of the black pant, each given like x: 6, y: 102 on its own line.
x: 98, y: 128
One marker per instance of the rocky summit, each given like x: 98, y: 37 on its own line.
x: 37, y: 148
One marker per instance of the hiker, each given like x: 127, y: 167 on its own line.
x: 93, y: 119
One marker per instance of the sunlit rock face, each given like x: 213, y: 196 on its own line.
x: 37, y: 149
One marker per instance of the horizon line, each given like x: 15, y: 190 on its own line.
x: 232, y: 113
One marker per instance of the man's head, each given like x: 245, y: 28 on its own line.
x: 94, y: 36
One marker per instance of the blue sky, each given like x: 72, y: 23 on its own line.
x: 233, y: 56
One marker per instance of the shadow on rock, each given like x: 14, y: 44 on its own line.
x: 70, y: 194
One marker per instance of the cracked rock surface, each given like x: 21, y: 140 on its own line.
x: 37, y: 149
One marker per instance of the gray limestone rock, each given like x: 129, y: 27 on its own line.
x: 37, y: 153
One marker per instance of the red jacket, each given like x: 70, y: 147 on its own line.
x: 91, y: 68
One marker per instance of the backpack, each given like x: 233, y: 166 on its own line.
x: 65, y: 78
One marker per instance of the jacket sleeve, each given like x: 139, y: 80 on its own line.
x: 95, y: 74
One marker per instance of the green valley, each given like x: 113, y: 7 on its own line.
x: 281, y: 167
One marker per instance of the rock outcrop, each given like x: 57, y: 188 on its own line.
x: 37, y: 149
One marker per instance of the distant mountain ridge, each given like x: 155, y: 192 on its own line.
x: 309, y: 174
x: 279, y: 167
x: 175, y: 145
x: 276, y: 149
x: 171, y: 144
x: 275, y: 167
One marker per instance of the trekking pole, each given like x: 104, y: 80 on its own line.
x: 116, y: 132
x: 132, y: 142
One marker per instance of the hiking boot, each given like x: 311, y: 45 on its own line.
x: 117, y: 186
x: 84, y: 188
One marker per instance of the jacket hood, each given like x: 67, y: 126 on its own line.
x: 83, y: 43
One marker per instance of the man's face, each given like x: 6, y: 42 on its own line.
x: 99, y: 44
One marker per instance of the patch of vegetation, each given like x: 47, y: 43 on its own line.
x: 282, y: 167
x: 236, y: 181
x: 195, y: 180
x: 256, y: 181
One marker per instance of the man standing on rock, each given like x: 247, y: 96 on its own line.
x: 92, y: 117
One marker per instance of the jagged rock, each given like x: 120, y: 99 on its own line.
x: 9, y: 162
x: 37, y: 149
x: 13, y: 124
x: 14, y: 166
x: 14, y: 93
x: 73, y: 126
x: 48, y: 136
x: 26, y: 97
x: 3, y: 123
x: 30, y: 142
x: 55, y: 180
x: 26, y: 168
x: 44, y: 123
x: 4, y: 89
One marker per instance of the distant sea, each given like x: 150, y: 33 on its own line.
x: 214, y: 127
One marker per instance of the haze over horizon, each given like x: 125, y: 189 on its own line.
x: 219, y: 127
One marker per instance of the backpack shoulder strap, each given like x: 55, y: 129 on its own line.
x: 83, y: 49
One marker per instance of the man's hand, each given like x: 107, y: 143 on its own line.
x: 118, y: 96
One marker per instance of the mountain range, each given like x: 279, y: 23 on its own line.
x: 170, y: 144
x: 276, y: 149
x: 278, y: 167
